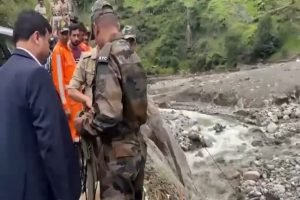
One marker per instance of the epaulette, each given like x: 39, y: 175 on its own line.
x: 119, y: 45
x: 86, y: 55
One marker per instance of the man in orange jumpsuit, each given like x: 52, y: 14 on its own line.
x: 84, y: 38
x: 63, y: 66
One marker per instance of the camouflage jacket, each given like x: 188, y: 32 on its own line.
x: 119, y: 92
x: 84, y: 73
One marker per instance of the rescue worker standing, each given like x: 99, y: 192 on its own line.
x: 63, y: 66
x: 40, y: 8
x: 66, y: 10
x: 56, y: 12
x: 74, y: 41
x: 83, y: 32
x: 130, y: 35
x: 120, y: 106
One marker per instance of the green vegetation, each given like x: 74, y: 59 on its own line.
x: 9, y: 9
x: 192, y: 35
x: 200, y: 35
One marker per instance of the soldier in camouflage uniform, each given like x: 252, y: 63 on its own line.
x: 120, y: 106
x: 130, y: 35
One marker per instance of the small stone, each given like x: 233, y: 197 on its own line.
x: 280, y: 99
x: 273, y: 117
x: 199, y: 154
x: 164, y: 105
x: 286, y: 117
x: 297, y: 113
x: 262, y: 198
x: 257, y: 163
x: 279, y: 114
x: 249, y: 183
x: 194, y: 137
x: 272, y: 127
x: 232, y: 174
x: 251, y: 175
x: 283, y: 106
x: 279, y: 188
x: 257, y: 143
x: 270, y: 167
x: 219, y: 128
x: 207, y: 142
x: 254, y: 193
x: 195, y: 128
x: 287, y: 112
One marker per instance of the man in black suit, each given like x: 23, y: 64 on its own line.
x: 37, y: 158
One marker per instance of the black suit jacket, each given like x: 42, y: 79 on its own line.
x: 37, y: 157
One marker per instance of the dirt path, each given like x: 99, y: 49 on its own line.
x: 249, y: 87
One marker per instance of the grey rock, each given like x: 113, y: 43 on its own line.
x: 232, y: 174
x: 279, y: 114
x: 206, y: 141
x: 219, y: 128
x: 249, y: 183
x: 270, y: 167
x: 286, y: 117
x: 195, y: 128
x: 194, y: 137
x: 257, y: 143
x: 279, y: 188
x: 262, y: 198
x: 254, y: 193
x: 251, y: 175
x: 280, y: 99
x: 287, y: 112
x: 272, y: 127
x: 297, y: 113
x: 273, y: 117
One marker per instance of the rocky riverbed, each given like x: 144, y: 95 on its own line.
x: 240, y: 131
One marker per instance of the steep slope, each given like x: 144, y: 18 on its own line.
x: 203, y: 35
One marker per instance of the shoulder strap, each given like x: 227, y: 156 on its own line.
x: 102, y: 60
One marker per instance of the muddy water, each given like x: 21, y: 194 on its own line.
x: 216, y: 169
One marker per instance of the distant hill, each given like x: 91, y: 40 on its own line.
x: 212, y: 34
x: 199, y: 35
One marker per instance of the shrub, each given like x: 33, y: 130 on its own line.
x: 265, y: 42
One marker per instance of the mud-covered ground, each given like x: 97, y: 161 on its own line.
x: 240, y: 130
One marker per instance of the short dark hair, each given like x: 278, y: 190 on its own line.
x: 27, y: 23
x: 73, y: 27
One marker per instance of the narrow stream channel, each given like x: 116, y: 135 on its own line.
x: 215, y: 168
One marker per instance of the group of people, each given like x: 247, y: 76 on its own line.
x: 97, y: 93
x: 60, y: 10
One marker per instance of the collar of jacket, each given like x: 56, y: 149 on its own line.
x: 23, y: 53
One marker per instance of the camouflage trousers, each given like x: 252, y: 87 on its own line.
x: 122, y: 164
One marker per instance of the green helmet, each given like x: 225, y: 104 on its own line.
x: 129, y: 32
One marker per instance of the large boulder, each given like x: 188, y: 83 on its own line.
x: 166, y: 162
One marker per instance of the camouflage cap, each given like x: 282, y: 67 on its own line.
x: 129, y: 32
x: 100, y: 7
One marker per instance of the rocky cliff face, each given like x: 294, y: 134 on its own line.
x: 167, y: 171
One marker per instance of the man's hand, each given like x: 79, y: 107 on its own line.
x: 78, y: 123
x: 88, y: 103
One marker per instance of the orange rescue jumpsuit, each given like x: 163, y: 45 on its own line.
x: 63, y: 66
x: 84, y: 47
